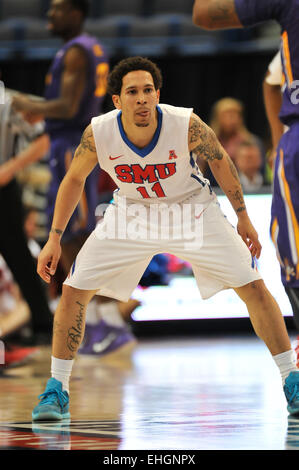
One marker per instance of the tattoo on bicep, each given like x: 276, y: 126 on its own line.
x: 86, y: 143
x: 75, y: 332
x: 208, y: 148
x: 194, y: 131
x: 221, y: 12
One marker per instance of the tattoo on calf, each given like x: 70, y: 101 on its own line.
x: 75, y: 332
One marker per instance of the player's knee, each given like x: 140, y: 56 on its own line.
x: 255, y: 291
x: 68, y: 292
x: 259, y: 292
x: 71, y: 294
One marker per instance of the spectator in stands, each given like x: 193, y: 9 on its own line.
x: 248, y: 161
x: 227, y: 121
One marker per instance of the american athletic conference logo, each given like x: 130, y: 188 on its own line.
x: 182, y: 222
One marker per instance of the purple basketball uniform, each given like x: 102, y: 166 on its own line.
x: 65, y: 134
x: 285, y: 203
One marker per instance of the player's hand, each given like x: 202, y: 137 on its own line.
x: 21, y: 102
x: 271, y: 158
x: 48, y: 259
x: 249, y: 235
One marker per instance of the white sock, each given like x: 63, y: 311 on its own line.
x: 286, y: 362
x: 92, y: 317
x: 61, y: 370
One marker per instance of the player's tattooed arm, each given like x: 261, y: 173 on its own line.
x: 215, y: 14
x: 204, y: 144
x: 202, y: 140
x: 87, y: 143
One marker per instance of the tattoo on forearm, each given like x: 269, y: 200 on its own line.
x: 75, y: 332
x: 56, y: 230
x: 86, y: 143
x: 208, y: 149
x: 233, y: 169
x: 238, y: 197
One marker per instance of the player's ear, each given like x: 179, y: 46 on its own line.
x: 158, y: 96
x: 116, y: 101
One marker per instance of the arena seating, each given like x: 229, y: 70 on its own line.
x: 153, y: 27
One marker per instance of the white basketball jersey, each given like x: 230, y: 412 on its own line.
x: 163, y: 171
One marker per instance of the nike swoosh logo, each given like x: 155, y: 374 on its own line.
x: 101, y: 346
x: 114, y: 158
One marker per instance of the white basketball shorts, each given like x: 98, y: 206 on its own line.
x: 116, y: 254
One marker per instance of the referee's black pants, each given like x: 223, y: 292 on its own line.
x: 15, y: 251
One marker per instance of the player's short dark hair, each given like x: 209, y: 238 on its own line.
x: 81, y: 5
x: 129, y: 65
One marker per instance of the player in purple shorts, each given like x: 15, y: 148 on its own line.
x: 273, y: 86
x: 222, y: 14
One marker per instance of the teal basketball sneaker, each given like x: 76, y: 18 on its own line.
x: 54, y: 404
x: 291, y: 390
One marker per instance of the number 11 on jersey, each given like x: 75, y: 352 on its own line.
x: 156, y: 188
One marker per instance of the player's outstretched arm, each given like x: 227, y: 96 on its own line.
x: 215, y: 14
x: 205, y: 145
x: 68, y: 196
x: 33, y: 153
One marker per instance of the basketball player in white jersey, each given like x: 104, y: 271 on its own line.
x: 151, y: 152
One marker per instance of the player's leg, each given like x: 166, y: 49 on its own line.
x: 224, y: 261
x: 285, y: 217
x: 268, y: 323
x: 103, y: 266
x: 68, y: 332
x: 265, y: 316
x: 293, y: 295
x: 69, y: 322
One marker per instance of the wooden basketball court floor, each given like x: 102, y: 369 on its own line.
x: 204, y: 393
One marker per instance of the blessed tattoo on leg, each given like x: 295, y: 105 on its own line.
x: 75, y: 332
